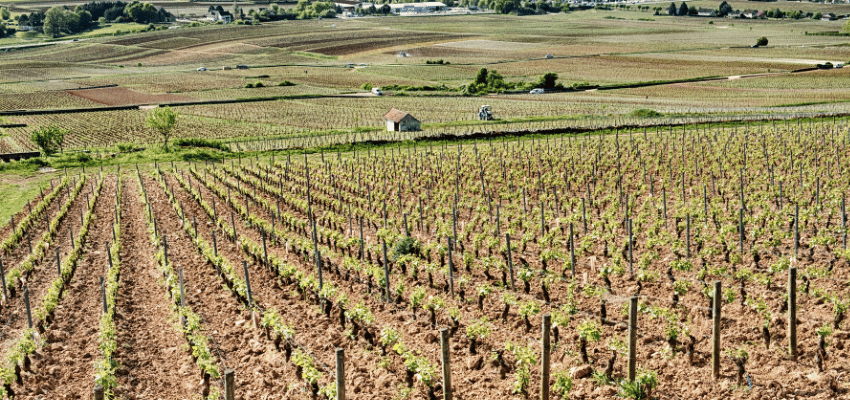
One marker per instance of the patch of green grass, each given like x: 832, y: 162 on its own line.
x: 14, y: 194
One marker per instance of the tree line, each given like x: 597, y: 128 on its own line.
x: 58, y: 21
x: 725, y: 9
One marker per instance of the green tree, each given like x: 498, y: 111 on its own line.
x: 762, y: 41
x: 54, y: 22
x: 49, y: 139
x: 163, y: 120
x: 724, y: 9
x: 548, y: 80
x: 683, y: 9
x: 141, y: 12
x: 671, y: 9
x: 481, y: 78
x: 85, y: 19
x: 4, y: 13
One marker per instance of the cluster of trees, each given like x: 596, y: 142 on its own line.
x: 5, y: 15
x: 520, y: 7
x: 62, y: 20
x: 493, y: 82
x: 725, y: 9
x: 318, y: 9
x: 304, y: 10
x: 372, y: 10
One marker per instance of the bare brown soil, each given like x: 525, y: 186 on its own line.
x: 13, y: 313
x: 72, y: 344
x: 117, y: 96
x: 153, y: 363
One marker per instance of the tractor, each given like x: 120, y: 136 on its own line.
x: 485, y: 113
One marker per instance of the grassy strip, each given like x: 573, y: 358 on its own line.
x: 192, y: 327
x: 14, y: 239
x: 18, y: 355
x: 40, y: 248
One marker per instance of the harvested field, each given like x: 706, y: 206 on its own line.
x: 489, y: 45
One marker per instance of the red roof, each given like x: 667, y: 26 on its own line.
x: 395, y: 115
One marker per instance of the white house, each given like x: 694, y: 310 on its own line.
x: 221, y: 16
x: 400, y: 121
x: 424, y: 7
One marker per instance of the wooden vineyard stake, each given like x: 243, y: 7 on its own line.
x: 265, y: 250
x: 544, y: 381
x: 3, y: 278
x: 741, y: 229
x: 108, y: 256
x: 572, y: 253
x: 247, y: 282
x: 58, y: 263
x: 715, y: 348
x: 451, y: 268
x: 165, y: 248
x: 98, y: 392
x: 229, y: 383
x: 796, y: 229
x: 362, y: 253
x: 386, y: 271
x: 688, y: 236
x: 233, y: 224
x: 340, y: 374
x: 633, y: 309
x: 103, y: 294
x: 215, y: 243
x: 27, y: 303
x: 447, y: 369
x: 195, y: 225
x: 406, y: 229
x: 792, y: 313
x: 510, y: 259
x: 318, y: 255
x: 631, y: 256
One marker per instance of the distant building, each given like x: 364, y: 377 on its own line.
x: 749, y: 14
x: 224, y: 16
x: 400, y: 121
x: 347, y: 5
x: 706, y: 12
x: 828, y: 17
x: 424, y: 7
x: 734, y: 14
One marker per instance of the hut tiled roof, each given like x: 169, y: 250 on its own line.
x: 395, y: 115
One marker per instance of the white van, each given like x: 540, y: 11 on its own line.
x: 536, y: 91
x: 377, y: 91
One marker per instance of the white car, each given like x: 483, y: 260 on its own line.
x: 202, y: 69
x: 536, y: 91
x: 377, y: 91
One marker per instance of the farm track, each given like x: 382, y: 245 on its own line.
x: 150, y: 347
x: 66, y: 366
x: 13, y: 314
x: 261, y: 372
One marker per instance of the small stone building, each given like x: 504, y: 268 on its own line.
x: 400, y: 121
